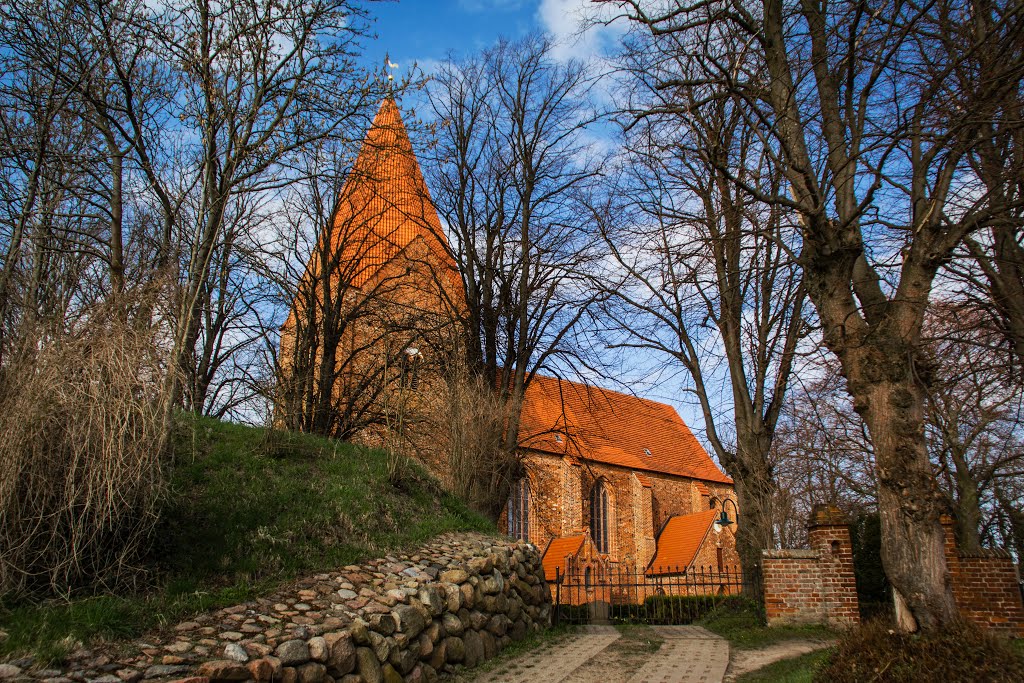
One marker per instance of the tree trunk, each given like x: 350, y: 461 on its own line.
x: 968, y: 507
x: 755, y: 491
x: 890, y: 398
x: 754, y: 529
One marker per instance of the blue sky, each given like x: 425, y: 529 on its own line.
x: 426, y: 30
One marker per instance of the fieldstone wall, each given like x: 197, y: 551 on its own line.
x: 454, y: 602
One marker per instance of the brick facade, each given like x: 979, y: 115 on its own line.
x: 815, y: 586
x: 985, y: 586
x: 560, y: 502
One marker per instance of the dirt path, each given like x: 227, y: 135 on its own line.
x: 745, y: 661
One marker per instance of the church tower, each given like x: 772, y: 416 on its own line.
x: 373, y: 322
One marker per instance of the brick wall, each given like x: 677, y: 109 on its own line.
x: 985, y: 586
x: 560, y: 489
x: 814, y: 586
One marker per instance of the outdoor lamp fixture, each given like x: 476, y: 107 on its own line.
x: 724, y: 520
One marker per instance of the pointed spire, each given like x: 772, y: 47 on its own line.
x: 385, y: 204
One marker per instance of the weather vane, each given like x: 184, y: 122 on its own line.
x: 391, y: 65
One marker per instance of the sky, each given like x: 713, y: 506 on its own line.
x: 426, y: 31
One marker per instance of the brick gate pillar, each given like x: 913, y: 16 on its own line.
x: 815, y: 586
x: 829, y: 534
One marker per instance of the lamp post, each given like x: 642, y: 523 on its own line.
x: 724, y: 520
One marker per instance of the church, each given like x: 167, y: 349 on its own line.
x: 612, y: 480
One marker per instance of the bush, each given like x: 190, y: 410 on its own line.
x: 80, y: 433
x: 876, y: 652
x: 685, y: 609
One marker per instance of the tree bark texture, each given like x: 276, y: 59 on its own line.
x: 881, y: 372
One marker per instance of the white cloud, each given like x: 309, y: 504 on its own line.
x: 578, y: 29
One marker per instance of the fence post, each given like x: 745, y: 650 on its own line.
x: 558, y: 594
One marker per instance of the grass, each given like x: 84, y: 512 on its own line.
x: 795, y: 670
x: 246, y: 511
x: 745, y: 629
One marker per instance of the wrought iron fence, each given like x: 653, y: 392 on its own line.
x: 622, y: 595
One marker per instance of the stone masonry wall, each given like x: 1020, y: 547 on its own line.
x: 454, y: 602
x: 815, y: 586
x: 985, y: 586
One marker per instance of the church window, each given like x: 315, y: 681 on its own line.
x: 519, y: 510
x: 600, y: 517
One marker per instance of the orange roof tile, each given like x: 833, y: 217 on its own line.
x: 702, y: 489
x: 679, y: 541
x: 644, y: 481
x: 556, y: 552
x: 613, y: 428
x: 384, y: 204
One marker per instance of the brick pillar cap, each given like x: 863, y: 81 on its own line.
x: 827, y: 515
x: 945, y: 520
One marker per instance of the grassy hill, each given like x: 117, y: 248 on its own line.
x: 246, y: 510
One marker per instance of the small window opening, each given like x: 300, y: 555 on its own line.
x: 647, y: 451
x: 558, y: 438
x: 835, y: 547
x: 410, y: 368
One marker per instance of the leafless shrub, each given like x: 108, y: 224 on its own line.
x: 481, y: 468
x: 81, y: 430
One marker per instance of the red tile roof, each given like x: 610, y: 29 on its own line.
x: 679, y: 541
x: 644, y: 481
x: 556, y: 552
x: 384, y: 204
x: 702, y: 489
x: 613, y: 428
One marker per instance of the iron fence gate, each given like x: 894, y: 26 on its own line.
x: 622, y: 595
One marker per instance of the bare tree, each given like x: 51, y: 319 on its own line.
x: 263, y: 81
x: 512, y: 176
x: 874, y: 131
x: 332, y: 374
x: 709, y: 270
x: 974, y: 420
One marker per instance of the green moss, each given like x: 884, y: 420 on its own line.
x: 247, y: 510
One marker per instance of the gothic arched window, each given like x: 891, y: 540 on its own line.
x: 600, y: 517
x: 519, y: 510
